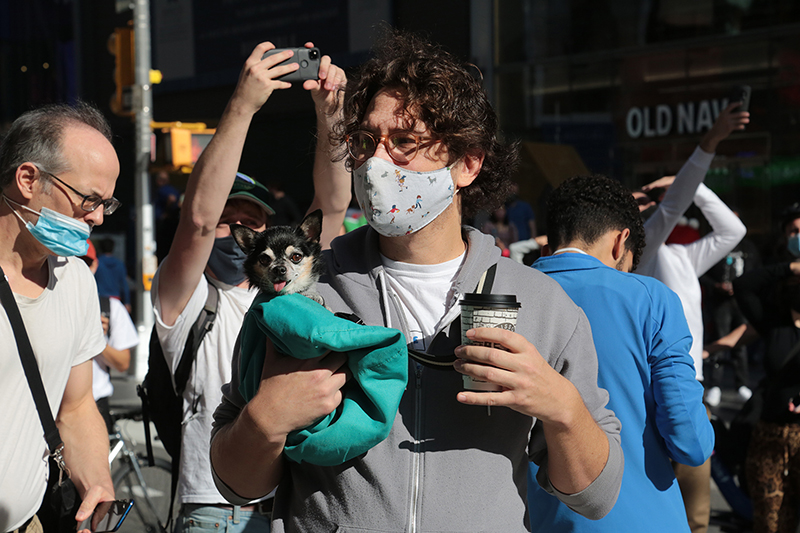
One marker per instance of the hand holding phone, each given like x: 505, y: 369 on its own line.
x: 307, y: 58
x: 107, y: 516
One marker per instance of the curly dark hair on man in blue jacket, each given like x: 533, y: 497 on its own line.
x: 584, y: 208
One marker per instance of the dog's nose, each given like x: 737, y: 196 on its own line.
x: 280, y: 270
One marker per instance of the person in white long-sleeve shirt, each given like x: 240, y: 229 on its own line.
x: 680, y: 265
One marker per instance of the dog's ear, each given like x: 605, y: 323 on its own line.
x: 243, y: 236
x: 311, y: 226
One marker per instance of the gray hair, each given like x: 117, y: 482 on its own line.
x: 36, y: 135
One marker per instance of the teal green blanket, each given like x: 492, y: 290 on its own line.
x: 377, y: 357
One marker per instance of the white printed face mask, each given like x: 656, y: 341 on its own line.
x: 397, y: 201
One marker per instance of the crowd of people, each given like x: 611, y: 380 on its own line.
x: 597, y: 420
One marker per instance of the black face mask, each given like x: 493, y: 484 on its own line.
x: 227, y: 261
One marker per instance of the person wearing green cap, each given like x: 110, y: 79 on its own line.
x: 204, y: 257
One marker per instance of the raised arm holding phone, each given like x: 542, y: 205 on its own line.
x: 204, y: 257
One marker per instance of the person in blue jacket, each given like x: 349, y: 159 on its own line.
x: 642, y: 341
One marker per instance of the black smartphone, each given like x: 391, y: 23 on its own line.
x: 107, y: 516
x: 655, y: 194
x: 740, y: 93
x: 307, y: 58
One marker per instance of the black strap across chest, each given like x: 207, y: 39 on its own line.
x: 441, y: 343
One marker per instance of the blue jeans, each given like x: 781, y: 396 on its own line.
x: 207, y: 519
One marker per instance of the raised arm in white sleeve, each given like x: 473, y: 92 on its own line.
x: 680, y: 194
x: 727, y: 231
x: 675, y: 203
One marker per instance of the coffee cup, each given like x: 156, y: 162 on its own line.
x: 487, y: 311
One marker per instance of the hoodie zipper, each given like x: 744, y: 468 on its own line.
x: 415, y: 457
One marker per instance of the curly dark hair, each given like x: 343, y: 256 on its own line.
x: 439, y: 91
x: 584, y: 208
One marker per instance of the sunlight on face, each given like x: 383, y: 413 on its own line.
x: 242, y: 212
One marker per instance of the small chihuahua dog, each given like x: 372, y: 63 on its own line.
x: 282, y: 259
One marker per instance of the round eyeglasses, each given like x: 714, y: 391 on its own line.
x: 401, y: 146
x: 89, y: 202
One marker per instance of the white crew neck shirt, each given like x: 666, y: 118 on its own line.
x: 423, y: 292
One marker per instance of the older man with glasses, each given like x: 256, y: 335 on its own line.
x: 42, y: 234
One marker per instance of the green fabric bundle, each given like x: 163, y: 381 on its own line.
x: 377, y: 357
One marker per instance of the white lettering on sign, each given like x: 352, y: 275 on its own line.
x: 704, y: 116
x: 658, y: 121
x: 648, y: 130
x: 633, y: 122
x: 663, y: 120
x: 685, y: 118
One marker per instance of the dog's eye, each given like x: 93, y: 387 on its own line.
x: 264, y: 260
x: 296, y: 257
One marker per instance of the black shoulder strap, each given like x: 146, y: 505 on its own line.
x: 487, y: 280
x: 445, y: 362
x: 105, y: 305
x: 203, y: 324
x: 105, y: 309
x: 29, y: 365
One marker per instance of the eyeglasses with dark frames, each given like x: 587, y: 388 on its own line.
x: 401, y: 146
x: 89, y: 202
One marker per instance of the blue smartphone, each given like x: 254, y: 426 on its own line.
x: 107, y: 516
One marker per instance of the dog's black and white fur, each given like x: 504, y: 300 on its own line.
x: 282, y: 259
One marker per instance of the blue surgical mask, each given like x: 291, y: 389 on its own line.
x: 227, y: 261
x: 62, y: 235
x: 793, y: 245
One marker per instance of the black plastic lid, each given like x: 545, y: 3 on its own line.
x: 490, y: 300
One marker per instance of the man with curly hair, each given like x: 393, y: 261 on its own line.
x: 418, y: 127
x: 642, y: 341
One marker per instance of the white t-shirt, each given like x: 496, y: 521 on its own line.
x: 122, y: 336
x: 63, y: 325
x: 424, y: 292
x: 203, y: 389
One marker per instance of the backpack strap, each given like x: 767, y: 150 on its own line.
x: 105, y: 305
x: 105, y: 310
x: 203, y: 324
x: 487, y: 280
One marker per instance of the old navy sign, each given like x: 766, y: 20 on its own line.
x: 663, y: 120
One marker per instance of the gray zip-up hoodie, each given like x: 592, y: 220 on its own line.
x: 445, y: 467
